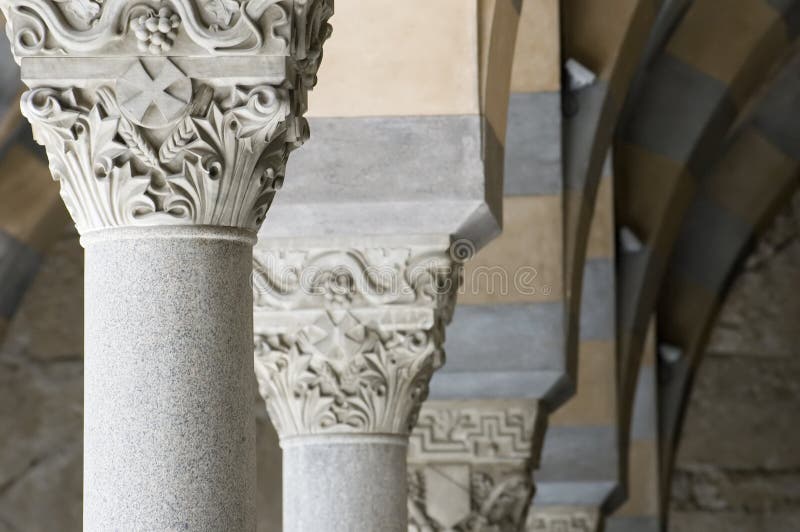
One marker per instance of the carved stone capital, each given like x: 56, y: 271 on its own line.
x: 564, y: 519
x: 470, y: 465
x: 347, y: 339
x: 169, y: 112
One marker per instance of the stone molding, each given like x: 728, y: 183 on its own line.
x: 470, y: 465
x: 168, y: 113
x: 347, y: 339
x: 564, y: 519
x: 193, y: 28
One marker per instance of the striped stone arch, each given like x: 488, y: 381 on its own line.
x: 754, y: 177
x: 607, y: 38
x: 691, y: 94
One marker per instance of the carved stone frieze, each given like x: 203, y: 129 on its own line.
x: 348, y: 339
x: 295, y: 28
x: 563, y: 519
x: 218, y: 165
x: 470, y: 465
x: 167, y: 113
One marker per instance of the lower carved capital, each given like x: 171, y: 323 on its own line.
x: 347, y: 340
x: 564, y: 519
x: 470, y: 465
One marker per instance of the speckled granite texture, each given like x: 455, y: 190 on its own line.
x: 331, y: 482
x: 169, y: 436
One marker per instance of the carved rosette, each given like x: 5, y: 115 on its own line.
x: 470, y: 465
x: 347, y: 340
x: 174, y: 112
x: 564, y: 519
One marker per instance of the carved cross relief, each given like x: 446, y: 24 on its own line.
x: 154, y: 99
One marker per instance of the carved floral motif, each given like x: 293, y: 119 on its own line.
x: 220, y: 165
x: 375, y: 276
x: 347, y: 340
x: 347, y: 373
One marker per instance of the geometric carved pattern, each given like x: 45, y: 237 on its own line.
x: 475, y: 434
x: 470, y: 465
x: 563, y: 519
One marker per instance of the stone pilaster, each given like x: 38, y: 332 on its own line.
x: 168, y: 125
x: 564, y: 519
x: 470, y: 465
x: 347, y: 339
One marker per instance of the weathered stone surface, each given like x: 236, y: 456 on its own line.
x: 714, y: 489
x: 761, y: 313
x: 743, y: 414
x: 734, y: 521
x: 738, y: 467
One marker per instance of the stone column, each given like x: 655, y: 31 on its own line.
x: 348, y: 335
x: 168, y: 125
x: 470, y: 465
x: 564, y: 519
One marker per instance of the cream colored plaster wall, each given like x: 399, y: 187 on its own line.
x: 390, y: 58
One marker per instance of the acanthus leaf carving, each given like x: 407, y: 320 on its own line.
x: 312, y: 30
x: 218, y: 165
x: 345, y: 352
x: 345, y: 373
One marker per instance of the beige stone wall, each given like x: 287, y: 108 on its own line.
x: 738, y: 466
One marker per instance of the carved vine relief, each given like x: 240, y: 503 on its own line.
x: 296, y: 28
